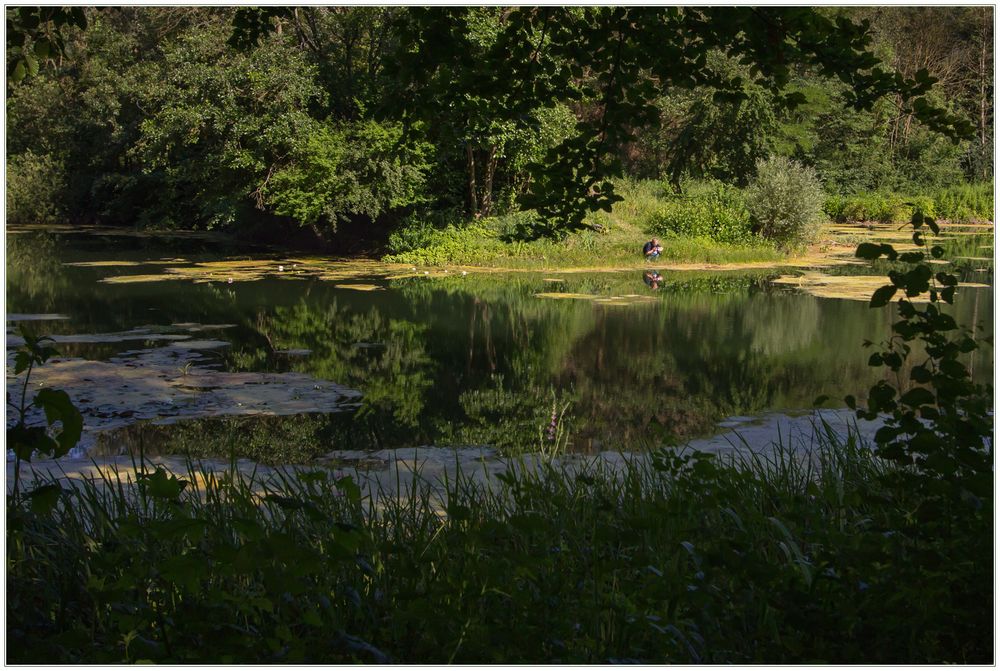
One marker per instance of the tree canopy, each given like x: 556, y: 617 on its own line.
x: 324, y: 115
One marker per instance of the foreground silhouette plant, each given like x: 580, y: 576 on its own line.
x: 942, y: 426
x: 63, y: 426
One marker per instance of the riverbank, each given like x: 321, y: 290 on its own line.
x: 708, y: 226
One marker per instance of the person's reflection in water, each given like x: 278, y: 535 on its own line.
x: 653, y: 279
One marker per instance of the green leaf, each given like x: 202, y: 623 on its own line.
x: 458, y: 512
x: 19, y: 71
x: 181, y: 527
x: 946, y: 279
x: 21, y: 361
x: 161, y: 486
x: 42, y: 48
x: 917, y: 397
x: 349, y: 488
x: 869, y: 251
x: 26, y: 440
x: 58, y: 407
x: 44, y: 498
x: 882, y: 296
x: 184, y: 570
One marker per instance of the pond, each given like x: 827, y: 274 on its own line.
x: 261, y: 356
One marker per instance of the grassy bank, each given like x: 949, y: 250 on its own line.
x: 708, y: 224
x: 614, y: 239
x: 674, y: 558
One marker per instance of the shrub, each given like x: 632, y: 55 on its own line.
x: 711, y: 210
x: 784, y: 200
x: 881, y: 207
x: 966, y: 202
x: 834, y: 207
x: 421, y: 243
x: 962, y: 203
x: 35, y: 188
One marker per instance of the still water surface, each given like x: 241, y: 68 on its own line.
x: 470, y: 360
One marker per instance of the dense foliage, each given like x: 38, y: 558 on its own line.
x: 351, y: 121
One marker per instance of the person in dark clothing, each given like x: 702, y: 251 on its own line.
x: 651, y: 250
x: 653, y: 279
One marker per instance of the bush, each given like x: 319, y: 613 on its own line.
x: 963, y: 203
x: 966, y: 202
x: 710, y: 210
x: 881, y: 207
x: 784, y: 200
x: 420, y: 242
x: 834, y: 207
x: 35, y: 188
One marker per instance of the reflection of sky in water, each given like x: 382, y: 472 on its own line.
x: 482, y: 358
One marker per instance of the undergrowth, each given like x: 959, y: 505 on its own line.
x: 680, y: 557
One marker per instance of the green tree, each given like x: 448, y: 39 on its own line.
x: 541, y: 54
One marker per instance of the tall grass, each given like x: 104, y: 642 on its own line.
x: 672, y: 557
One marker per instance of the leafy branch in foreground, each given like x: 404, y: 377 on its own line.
x: 63, y: 421
x: 942, y: 426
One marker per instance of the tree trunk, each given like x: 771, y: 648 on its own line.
x: 470, y: 167
x: 487, y: 200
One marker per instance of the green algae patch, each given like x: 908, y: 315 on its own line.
x: 168, y: 384
x: 137, y: 279
x: 847, y: 287
x: 627, y: 299
x: 102, y: 264
x: 359, y: 287
x: 35, y: 317
x: 250, y: 270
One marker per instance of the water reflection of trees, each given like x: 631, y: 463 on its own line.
x: 478, y: 362
x: 34, y: 270
x: 384, y: 356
